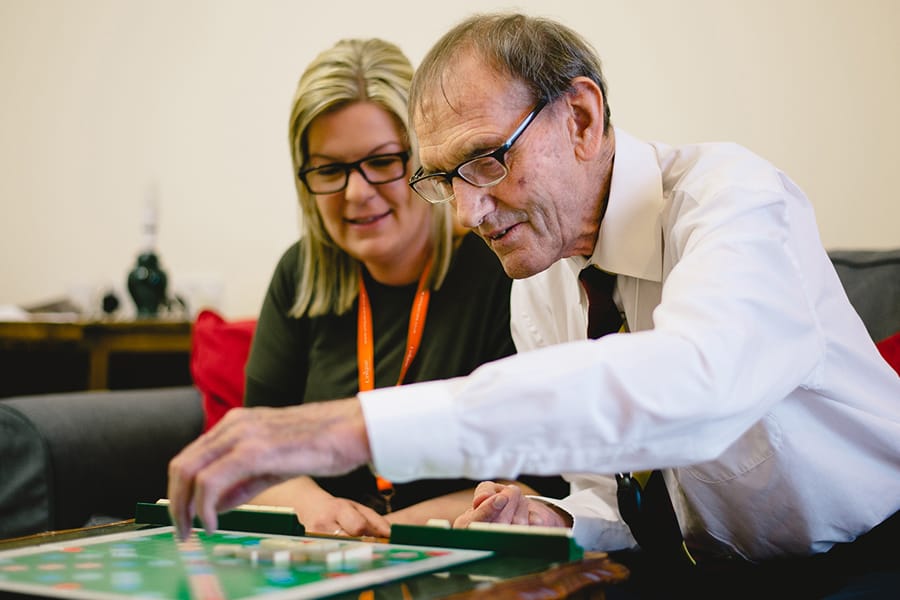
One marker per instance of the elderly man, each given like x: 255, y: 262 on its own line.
x: 737, y: 374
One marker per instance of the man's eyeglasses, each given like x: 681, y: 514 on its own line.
x: 484, y: 170
x: 333, y: 177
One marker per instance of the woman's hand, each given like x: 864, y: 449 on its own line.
x: 340, y: 516
x: 321, y: 512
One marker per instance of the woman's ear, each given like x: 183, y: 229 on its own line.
x: 585, y: 103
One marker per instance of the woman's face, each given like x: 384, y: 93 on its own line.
x: 385, y: 226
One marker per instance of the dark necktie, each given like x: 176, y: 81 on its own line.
x: 644, y: 501
x: 603, y: 314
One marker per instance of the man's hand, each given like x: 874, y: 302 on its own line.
x: 251, y: 449
x: 497, y: 503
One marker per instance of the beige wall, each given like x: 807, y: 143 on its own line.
x: 103, y: 98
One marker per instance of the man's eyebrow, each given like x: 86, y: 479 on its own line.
x: 471, y: 150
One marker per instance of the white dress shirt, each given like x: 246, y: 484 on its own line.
x: 746, y: 374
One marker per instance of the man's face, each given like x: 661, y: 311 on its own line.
x: 527, y: 219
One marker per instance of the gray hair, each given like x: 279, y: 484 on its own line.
x: 353, y: 70
x: 543, y: 54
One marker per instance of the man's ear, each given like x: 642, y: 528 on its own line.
x: 585, y: 103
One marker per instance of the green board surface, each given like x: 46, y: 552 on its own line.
x: 500, y: 539
x: 151, y: 564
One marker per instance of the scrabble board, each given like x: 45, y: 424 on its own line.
x: 227, y: 564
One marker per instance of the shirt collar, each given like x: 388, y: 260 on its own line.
x: 630, y: 239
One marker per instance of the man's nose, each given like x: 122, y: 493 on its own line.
x: 472, y: 203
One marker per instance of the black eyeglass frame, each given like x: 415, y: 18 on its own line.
x: 498, y: 155
x: 354, y: 166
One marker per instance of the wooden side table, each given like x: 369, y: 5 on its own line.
x: 99, y: 339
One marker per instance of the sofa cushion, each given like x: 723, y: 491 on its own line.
x: 219, y: 351
x: 68, y: 457
x: 871, y: 279
x: 25, y: 473
x: 890, y: 350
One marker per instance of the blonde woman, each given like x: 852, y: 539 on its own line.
x: 379, y: 290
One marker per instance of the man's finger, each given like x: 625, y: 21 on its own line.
x: 507, y: 503
x: 182, y: 472
x: 483, y: 491
x: 180, y: 497
x: 521, y: 514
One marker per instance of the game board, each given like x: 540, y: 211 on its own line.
x: 226, y: 564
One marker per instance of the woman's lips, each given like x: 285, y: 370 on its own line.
x: 366, y: 220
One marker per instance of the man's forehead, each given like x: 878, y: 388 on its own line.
x: 448, y: 134
x: 465, y: 85
x: 463, y: 111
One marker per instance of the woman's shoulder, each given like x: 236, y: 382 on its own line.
x: 289, y: 264
x: 290, y: 258
x: 287, y: 269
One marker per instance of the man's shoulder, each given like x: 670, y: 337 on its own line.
x: 689, y: 162
x: 707, y: 168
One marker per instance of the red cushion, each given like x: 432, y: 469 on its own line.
x: 890, y: 350
x: 219, y: 351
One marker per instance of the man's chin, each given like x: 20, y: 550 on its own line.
x: 520, y: 269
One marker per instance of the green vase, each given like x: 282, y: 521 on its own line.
x: 147, y: 285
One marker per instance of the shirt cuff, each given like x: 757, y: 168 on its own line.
x: 413, y: 431
x: 597, y: 528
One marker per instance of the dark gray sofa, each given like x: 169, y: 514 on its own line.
x: 66, y: 459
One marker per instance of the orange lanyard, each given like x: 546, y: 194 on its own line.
x: 365, y: 345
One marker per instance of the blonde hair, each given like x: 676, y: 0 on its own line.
x: 353, y: 70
